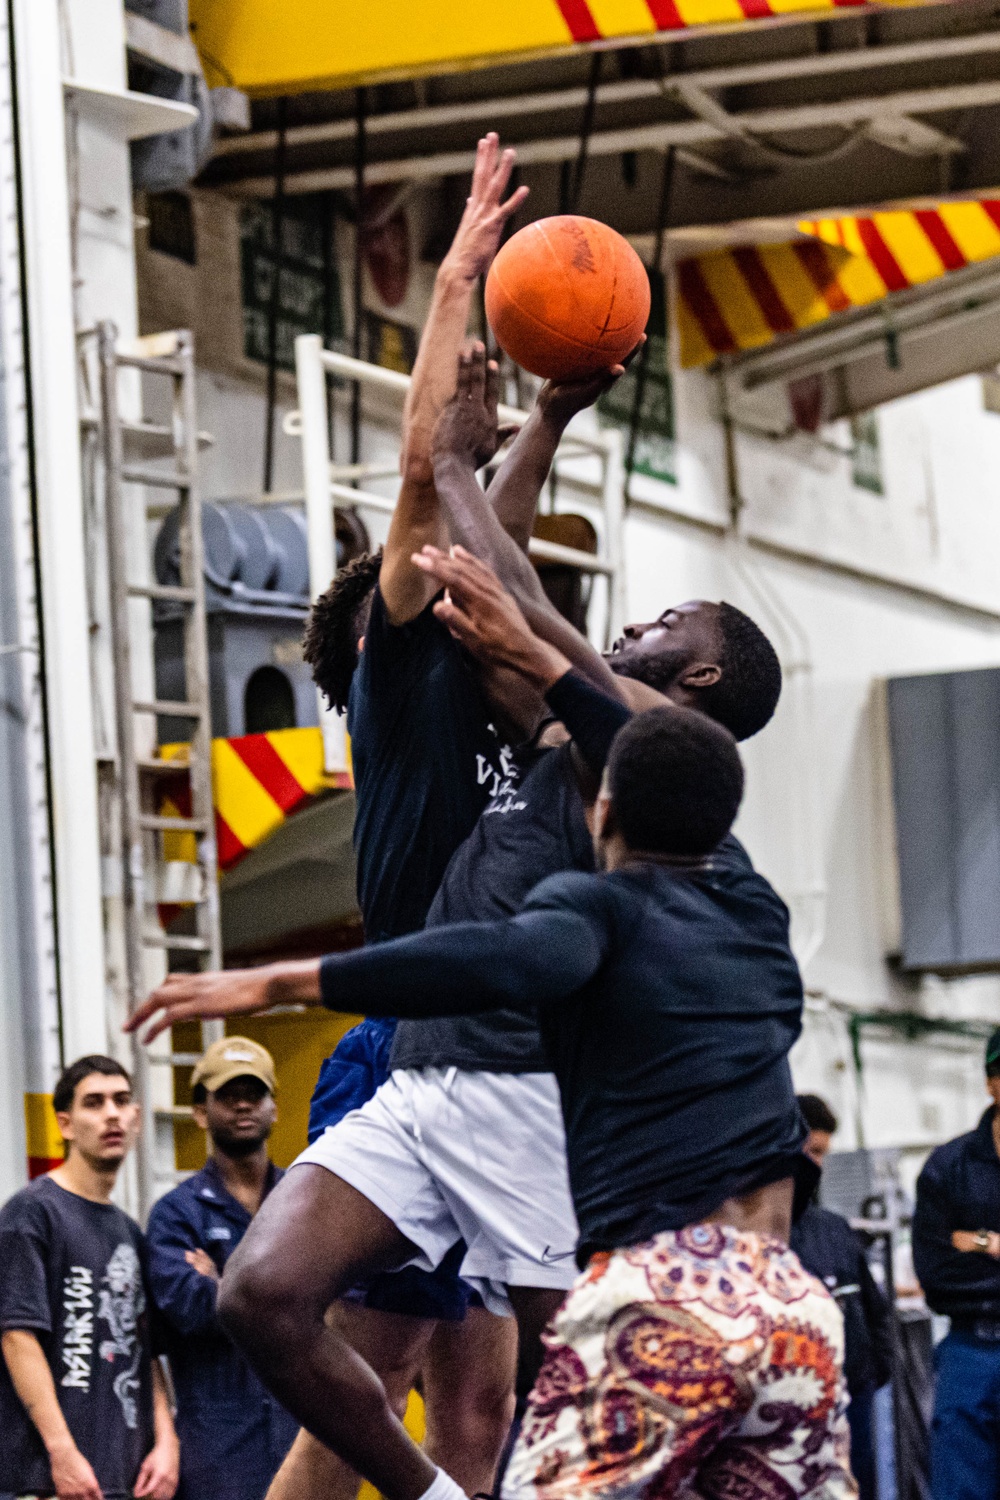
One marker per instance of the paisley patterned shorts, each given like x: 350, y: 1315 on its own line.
x: 705, y: 1364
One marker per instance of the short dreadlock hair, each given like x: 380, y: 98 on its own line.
x: 335, y: 622
x: 747, y: 693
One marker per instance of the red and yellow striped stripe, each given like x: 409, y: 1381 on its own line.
x: 257, y: 780
x: 45, y: 1146
x: 742, y: 298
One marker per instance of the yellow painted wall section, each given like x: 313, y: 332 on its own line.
x: 266, y: 47
x: 44, y: 1140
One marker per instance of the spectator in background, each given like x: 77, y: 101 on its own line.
x: 83, y: 1403
x: 233, y: 1434
x: 956, y: 1254
x: 828, y: 1247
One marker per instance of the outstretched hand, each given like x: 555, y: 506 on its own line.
x: 562, y: 399
x: 478, y: 237
x: 193, y: 997
x: 480, y: 613
x: 467, y: 427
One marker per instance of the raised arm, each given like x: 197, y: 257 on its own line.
x: 417, y: 517
x: 542, y: 955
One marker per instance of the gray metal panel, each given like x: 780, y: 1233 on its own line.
x: 975, y: 724
x: 920, y: 713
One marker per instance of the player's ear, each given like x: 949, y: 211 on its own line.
x: 700, y: 675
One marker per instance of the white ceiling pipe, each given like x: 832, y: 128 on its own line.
x: 492, y: 110
x: 655, y: 136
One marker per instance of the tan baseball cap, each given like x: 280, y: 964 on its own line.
x: 234, y: 1057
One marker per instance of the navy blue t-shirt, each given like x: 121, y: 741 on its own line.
x: 668, y: 1000
x: 426, y: 760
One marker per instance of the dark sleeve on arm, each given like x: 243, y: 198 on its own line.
x: 592, y: 717
x: 939, y: 1266
x: 24, y: 1292
x: 183, y: 1296
x: 541, y: 956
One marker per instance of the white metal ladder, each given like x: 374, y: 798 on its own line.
x: 327, y: 487
x: 126, y: 448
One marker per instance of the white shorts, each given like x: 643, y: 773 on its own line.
x: 448, y: 1154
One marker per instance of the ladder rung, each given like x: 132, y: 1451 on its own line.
x: 175, y: 1059
x: 179, y: 944
x: 154, y: 365
x: 169, y: 709
x: 139, y: 474
x: 156, y: 824
x: 161, y: 591
x: 164, y: 767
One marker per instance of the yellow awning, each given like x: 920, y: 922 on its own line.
x: 742, y: 298
x: 291, y: 46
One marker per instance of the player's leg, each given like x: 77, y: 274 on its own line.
x: 534, y: 1308
x: 314, y: 1237
x: 468, y: 1388
x: 704, y: 1362
x: 359, y: 1201
x: 395, y: 1347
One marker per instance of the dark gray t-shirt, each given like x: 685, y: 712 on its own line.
x: 525, y: 834
x: 73, y: 1273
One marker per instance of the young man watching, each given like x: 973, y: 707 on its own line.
x: 233, y: 1434
x: 693, y: 1353
x: 83, y: 1405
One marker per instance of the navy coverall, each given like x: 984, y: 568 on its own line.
x: 233, y: 1434
x: 959, y: 1188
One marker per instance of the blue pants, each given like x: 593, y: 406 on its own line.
x: 965, y: 1433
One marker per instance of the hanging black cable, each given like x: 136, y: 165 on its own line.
x: 360, y: 153
x: 274, y: 301
x: 571, y: 181
x: 642, y: 361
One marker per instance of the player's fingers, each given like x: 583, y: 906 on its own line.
x: 480, y: 172
x: 477, y: 372
x: 464, y: 376
x: 502, y: 169
x: 517, y: 197
x: 492, y: 394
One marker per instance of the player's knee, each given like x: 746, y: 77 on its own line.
x: 255, y: 1304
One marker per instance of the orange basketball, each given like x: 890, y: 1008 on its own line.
x: 567, y: 295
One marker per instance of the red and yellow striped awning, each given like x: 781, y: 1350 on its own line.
x: 269, y: 48
x: 742, y: 298
x: 257, y: 780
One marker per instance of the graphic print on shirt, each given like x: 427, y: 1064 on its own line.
x: 122, y: 1304
x: 78, y: 1327
x: 502, y: 785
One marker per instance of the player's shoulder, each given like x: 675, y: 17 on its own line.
x: 569, y: 890
x: 31, y: 1208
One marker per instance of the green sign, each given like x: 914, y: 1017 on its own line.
x: 308, y: 284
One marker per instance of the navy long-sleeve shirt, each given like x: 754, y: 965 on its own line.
x: 959, y: 1188
x: 668, y: 999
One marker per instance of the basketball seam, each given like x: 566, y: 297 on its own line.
x: 544, y: 327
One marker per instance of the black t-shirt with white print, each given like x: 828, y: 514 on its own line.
x: 73, y: 1273
x: 426, y: 759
